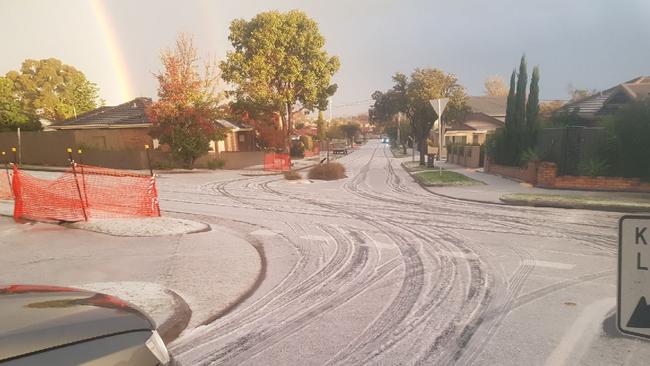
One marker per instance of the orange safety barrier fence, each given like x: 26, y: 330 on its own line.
x: 277, y: 162
x: 83, y: 193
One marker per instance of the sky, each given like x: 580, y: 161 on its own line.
x: 590, y: 44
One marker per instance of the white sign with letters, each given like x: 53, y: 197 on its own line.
x: 633, y: 315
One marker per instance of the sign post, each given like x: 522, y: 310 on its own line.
x: 633, y: 310
x: 439, y: 106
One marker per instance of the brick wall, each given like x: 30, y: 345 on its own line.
x: 526, y: 174
x: 547, y: 178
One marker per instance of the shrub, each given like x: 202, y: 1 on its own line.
x: 297, y: 149
x: 163, y: 165
x: 594, y: 168
x: 292, y: 175
x: 628, y: 147
x: 331, y: 171
x: 530, y: 155
x: 308, y: 142
x: 216, y: 164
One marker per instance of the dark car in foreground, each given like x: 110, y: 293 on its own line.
x: 47, y: 325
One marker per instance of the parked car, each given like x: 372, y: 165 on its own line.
x: 48, y: 325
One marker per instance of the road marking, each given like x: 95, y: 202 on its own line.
x: 554, y: 265
x: 576, y: 340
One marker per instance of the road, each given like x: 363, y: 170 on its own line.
x: 372, y: 269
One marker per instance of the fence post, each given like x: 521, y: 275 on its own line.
x: 74, y: 173
x: 13, y: 150
x: 83, y: 177
x: 5, y: 160
x: 146, y: 148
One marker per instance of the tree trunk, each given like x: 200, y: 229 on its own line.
x: 421, y: 146
x: 289, y: 127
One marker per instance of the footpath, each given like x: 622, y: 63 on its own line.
x: 506, y: 191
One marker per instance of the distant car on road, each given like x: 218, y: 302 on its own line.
x: 48, y: 325
x: 385, y: 140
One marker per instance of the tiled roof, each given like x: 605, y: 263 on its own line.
x: 492, y: 106
x: 235, y: 126
x: 593, y: 106
x: 129, y: 113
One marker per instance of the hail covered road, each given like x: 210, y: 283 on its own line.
x: 373, y: 269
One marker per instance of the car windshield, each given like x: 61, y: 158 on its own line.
x: 325, y: 183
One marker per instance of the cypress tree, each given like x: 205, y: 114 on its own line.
x: 532, y: 109
x: 520, y: 96
x: 508, y: 142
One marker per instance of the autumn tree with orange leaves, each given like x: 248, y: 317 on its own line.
x: 184, y: 117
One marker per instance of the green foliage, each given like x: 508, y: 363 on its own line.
x: 299, y: 125
x: 350, y: 130
x: 509, y: 145
x: 54, y: 90
x: 334, y: 132
x: 12, y: 115
x: 279, y: 63
x: 628, y: 147
x: 297, y: 149
x: 530, y: 155
x: 423, y: 86
x: 594, y: 168
x: 185, y: 114
x: 215, y: 164
x: 307, y: 142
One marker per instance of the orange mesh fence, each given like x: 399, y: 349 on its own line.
x: 277, y: 162
x: 86, y: 192
x: 313, y: 152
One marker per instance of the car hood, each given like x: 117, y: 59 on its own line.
x: 35, y: 318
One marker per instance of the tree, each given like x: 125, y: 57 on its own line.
x: 509, y: 144
x: 627, y: 149
x: 185, y: 114
x: 495, y: 86
x: 279, y: 63
x: 320, y: 127
x: 576, y: 94
x: 350, y: 130
x: 53, y: 90
x: 12, y: 115
x: 423, y: 86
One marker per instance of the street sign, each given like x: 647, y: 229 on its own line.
x: 439, y: 105
x: 633, y: 315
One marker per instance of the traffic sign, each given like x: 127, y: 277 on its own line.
x: 633, y: 315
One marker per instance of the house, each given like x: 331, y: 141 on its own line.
x: 487, y: 114
x: 126, y: 127
x: 473, y: 129
x: 594, y: 108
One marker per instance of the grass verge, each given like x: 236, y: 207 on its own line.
x: 619, y: 204
x: 443, y: 178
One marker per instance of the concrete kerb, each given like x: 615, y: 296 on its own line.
x: 426, y: 188
x: 520, y: 203
x: 575, y: 206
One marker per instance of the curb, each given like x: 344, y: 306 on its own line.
x: 522, y: 203
x: 575, y: 206
x: 175, y: 324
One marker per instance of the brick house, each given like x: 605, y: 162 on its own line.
x: 126, y: 127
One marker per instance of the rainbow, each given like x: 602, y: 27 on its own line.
x: 115, y: 52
